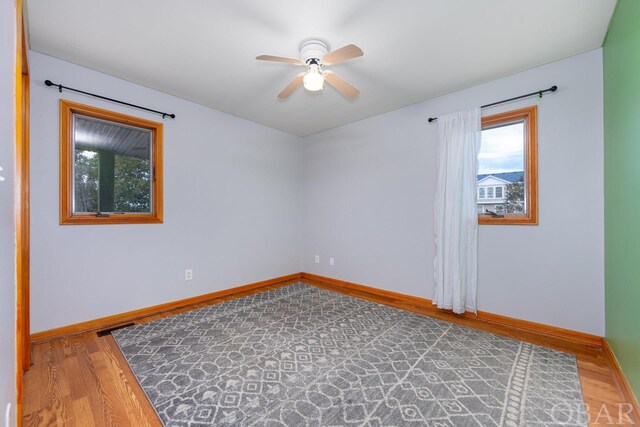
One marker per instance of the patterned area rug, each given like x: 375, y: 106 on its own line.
x: 299, y: 355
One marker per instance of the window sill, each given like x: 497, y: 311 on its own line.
x: 508, y: 220
x: 90, y: 219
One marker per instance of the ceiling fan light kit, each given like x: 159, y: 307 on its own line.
x: 313, y: 79
x: 313, y: 55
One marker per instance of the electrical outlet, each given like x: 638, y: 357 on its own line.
x: 332, y: 261
x: 188, y: 274
x: 317, y: 259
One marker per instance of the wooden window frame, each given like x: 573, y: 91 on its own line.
x: 530, y: 116
x: 67, y: 216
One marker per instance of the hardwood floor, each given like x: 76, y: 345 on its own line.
x: 83, y: 380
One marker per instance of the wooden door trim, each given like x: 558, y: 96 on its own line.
x: 21, y: 189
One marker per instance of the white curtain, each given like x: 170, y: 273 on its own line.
x: 456, y: 218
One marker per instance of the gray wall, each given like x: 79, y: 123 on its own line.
x: 368, y: 190
x: 7, y: 233
x: 231, y: 208
x: 244, y: 203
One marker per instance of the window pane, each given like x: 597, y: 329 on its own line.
x: 86, y: 180
x: 482, y: 192
x: 112, y: 167
x: 501, y: 164
x: 132, y: 191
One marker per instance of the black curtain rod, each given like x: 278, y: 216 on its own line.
x: 539, y: 93
x: 60, y: 87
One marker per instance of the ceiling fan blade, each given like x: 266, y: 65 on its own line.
x: 343, y: 87
x: 295, y: 83
x: 342, y: 54
x: 278, y: 59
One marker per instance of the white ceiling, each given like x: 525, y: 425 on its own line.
x: 204, y: 50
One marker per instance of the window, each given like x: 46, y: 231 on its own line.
x: 508, y: 167
x: 481, y: 191
x: 110, y: 167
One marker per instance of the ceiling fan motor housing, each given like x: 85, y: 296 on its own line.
x: 311, y: 49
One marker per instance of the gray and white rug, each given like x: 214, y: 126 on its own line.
x: 303, y: 356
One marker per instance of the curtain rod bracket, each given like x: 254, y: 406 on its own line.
x: 60, y: 87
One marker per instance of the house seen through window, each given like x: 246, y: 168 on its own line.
x: 501, y: 169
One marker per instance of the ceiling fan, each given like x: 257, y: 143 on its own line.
x: 313, y: 55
